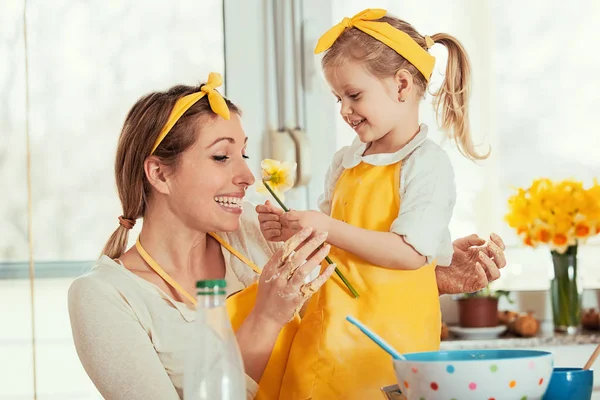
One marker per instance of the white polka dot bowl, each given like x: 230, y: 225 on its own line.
x: 475, y: 374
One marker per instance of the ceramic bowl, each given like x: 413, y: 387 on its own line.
x: 468, y: 374
x: 570, y: 383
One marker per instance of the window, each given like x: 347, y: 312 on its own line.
x: 545, y: 108
x: 534, y: 101
x: 85, y: 74
x: 88, y: 63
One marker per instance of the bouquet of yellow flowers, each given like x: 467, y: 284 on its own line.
x: 556, y: 214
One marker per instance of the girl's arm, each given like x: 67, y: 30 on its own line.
x: 385, y: 249
x: 420, y: 232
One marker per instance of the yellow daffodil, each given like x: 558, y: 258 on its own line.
x: 278, y: 175
x: 557, y: 214
x: 582, y: 230
x: 544, y: 235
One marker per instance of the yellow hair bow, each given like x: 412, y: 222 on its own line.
x: 399, y: 41
x: 216, y: 101
x: 429, y: 42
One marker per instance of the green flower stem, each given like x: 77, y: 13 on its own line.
x: 565, y: 294
x: 275, y: 197
x: 343, y: 278
x: 337, y: 271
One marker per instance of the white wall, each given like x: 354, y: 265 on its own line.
x: 251, y: 83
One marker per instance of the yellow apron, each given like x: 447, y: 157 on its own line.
x: 239, y: 305
x: 330, y: 358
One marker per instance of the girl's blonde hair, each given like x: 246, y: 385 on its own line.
x: 140, y: 131
x: 451, y: 100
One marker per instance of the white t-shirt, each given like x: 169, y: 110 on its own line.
x: 427, y: 192
x: 131, y: 336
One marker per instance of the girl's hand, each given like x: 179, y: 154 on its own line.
x: 297, y: 220
x: 270, y: 226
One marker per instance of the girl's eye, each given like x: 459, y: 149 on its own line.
x: 245, y: 156
x: 220, y: 158
x: 338, y: 100
x: 354, y: 96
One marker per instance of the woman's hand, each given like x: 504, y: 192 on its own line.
x: 281, y: 288
x: 474, y: 265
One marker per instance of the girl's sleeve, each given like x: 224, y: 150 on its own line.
x: 331, y: 177
x: 427, y: 199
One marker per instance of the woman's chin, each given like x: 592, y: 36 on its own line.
x: 230, y: 227
x: 229, y: 222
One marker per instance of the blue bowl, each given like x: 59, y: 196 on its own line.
x: 570, y: 383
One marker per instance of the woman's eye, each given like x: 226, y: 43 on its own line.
x: 354, y: 96
x: 245, y: 156
x: 220, y: 158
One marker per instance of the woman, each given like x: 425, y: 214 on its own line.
x: 181, y: 166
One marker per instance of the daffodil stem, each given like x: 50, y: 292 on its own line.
x: 337, y: 271
x: 275, y: 197
x: 343, y: 278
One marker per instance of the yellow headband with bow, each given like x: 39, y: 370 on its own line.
x: 397, y: 40
x: 215, y: 100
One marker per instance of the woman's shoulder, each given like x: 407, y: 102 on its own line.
x: 105, y: 279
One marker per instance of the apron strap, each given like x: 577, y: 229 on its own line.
x: 167, y: 278
x: 161, y: 272
x: 236, y: 253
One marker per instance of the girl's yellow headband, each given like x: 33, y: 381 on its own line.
x: 215, y: 100
x: 399, y: 41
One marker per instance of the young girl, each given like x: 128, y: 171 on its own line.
x: 388, y: 200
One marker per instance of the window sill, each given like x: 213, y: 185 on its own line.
x: 44, y: 269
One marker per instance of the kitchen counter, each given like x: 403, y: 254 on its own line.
x: 546, y: 337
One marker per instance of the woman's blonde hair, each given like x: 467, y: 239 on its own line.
x: 140, y: 131
x: 451, y: 100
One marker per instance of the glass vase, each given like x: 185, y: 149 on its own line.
x: 565, y: 292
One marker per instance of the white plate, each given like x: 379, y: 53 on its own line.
x: 478, y: 333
